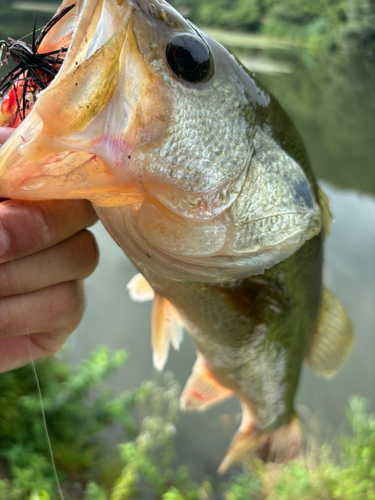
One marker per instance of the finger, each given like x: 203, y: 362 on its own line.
x: 72, y: 259
x: 5, y: 133
x: 56, y: 310
x: 19, y: 351
x: 29, y: 227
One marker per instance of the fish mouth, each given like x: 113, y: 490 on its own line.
x: 111, y: 128
x: 75, y: 140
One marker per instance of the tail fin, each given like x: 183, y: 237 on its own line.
x: 281, y: 445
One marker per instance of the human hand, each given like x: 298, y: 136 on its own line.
x: 45, y: 252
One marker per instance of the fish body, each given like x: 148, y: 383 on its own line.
x: 251, y: 336
x: 201, y: 177
x: 254, y: 332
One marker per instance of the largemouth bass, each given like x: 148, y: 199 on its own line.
x: 200, y: 176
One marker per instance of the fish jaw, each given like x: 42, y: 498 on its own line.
x: 79, y: 136
x: 119, y: 128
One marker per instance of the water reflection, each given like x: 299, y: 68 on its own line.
x: 35, y: 6
x: 350, y: 273
x: 332, y: 103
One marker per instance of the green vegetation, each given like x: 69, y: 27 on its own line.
x: 348, y: 25
x: 320, y: 477
x: 321, y: 24
x: 79, y: 406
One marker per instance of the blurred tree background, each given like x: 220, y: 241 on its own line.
x: 332, y: 24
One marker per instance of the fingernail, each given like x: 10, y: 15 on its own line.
x: 4, y: 242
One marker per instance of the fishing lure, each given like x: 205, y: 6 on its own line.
x: 34, y: 71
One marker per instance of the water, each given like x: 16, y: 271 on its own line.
x: 333, y: 105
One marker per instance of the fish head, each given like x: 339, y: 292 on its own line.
x: 190, y: 163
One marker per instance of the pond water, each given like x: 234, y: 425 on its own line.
x: 333, y: 105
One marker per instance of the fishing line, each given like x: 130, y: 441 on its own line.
x: 40, y: 395
x: 49, y: 445
x: 20, y: 39
x: 32, y: 32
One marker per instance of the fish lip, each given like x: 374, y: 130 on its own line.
x: 85, y: 16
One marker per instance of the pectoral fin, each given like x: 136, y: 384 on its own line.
x: 333, y: 339
x: 202, y: 390
x: 278, y: 446
x: 166, y: 327
x: 139, y: 289
x: 327, y: 217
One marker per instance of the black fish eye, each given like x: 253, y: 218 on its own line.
x: 189, y: 58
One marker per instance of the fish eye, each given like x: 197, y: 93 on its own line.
x: 189, y: 58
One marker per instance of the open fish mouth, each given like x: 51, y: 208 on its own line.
x: 52, y: 151
x: 147, y: 114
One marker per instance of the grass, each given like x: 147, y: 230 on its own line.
x: 79, y: 406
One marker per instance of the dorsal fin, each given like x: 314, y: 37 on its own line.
x: 202, y: 390
x: 333, y: 339
x: 139, y: 289
x: 166, y: 327
x: 327, y: 217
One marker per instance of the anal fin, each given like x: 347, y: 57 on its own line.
x: 139, y: 289
x: 166, y: 327
x: 202, y: 390
x: 280, y: 445
x: 333, y: 339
